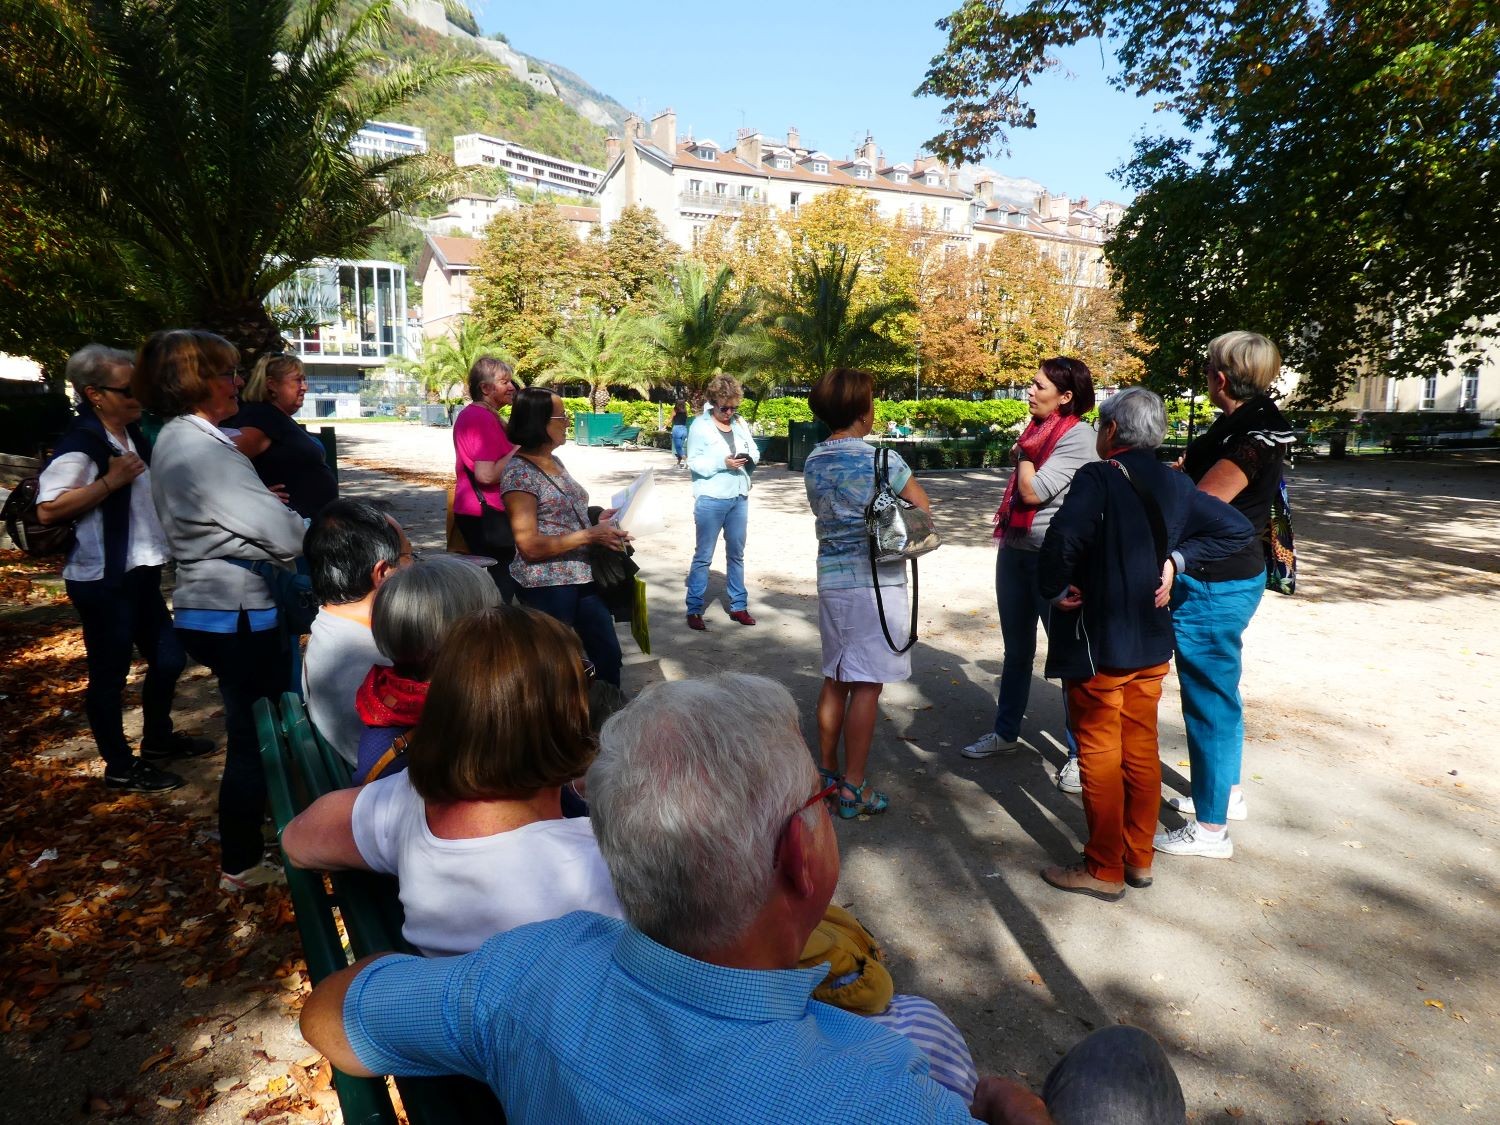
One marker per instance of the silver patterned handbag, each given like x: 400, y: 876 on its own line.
x: 897, y: 530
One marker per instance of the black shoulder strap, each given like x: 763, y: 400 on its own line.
x: 1153, y: 514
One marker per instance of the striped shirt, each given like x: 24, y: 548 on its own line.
x: 584, y: 1019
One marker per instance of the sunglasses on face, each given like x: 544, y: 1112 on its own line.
x: 124, y: 392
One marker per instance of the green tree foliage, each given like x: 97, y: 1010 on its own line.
x: 62, y: 287
x: 637, y: 255
x: 703, y: 328
x: 207, y: 140
x: 505, y: 107
x: 443, y: 370
x: 532, y: 269
x: 819, y: 323
x: 599, y: 349
x: 1341, y: 199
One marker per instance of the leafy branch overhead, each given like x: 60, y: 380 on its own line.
x: 1338, y: 195
x: 205, y: 142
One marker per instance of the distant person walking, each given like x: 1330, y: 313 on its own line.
x: 1055, y: 444
x: 679, y: 431
x: 1238, y: 460
x: 721, y: 454
x: 481, y: 450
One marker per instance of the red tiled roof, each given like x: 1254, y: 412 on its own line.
x: 578, y: 214
x: 454, y: 250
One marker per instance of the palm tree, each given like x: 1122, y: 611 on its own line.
x: 443, y: 370
x: 702, y: 328
x: 817, y: 325
x: 206, y: 142
x: 600, y: 350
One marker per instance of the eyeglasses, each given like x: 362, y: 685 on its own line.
x: 726, y: 409
x: 822, y: 794
x: 559, y: 418
x: 124, y: 392
x: 232, y: 373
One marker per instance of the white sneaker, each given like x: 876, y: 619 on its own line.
x: 261, y: 875
x: 1068, y: 779
x: 1238, y: 810
x: 991, y: 743
x: 1189, y: 840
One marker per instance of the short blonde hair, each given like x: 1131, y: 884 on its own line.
x: 272, y: 365
x: 1249, y: 362
x: 724, y: 387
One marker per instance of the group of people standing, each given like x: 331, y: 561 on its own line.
x: 1128, y: 563
x: 217, y: 500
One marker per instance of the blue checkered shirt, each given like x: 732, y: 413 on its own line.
x: 583, y: 1019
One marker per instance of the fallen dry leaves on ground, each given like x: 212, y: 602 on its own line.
x: 97, y: 885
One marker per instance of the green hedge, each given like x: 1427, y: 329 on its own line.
x: 30, y: 423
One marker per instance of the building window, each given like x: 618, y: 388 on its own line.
x: 947, y: 218
x: 747, y: 192
x: 900, y: 177
x: 1429, y: 393
x: 783, y: 164
x: 1469, y: 399
x: 861, y: 172
x: 796, y: 198
x: 697, y: 235
x: 721, y: 189
x: 932, y: 179
x: 820, y: 167
x: 695, y: 186
x: 487, y: 159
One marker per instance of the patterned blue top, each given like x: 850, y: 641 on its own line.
x: 840, y: 480
x: 583, y: 1019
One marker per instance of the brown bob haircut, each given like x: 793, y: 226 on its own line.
x: 842, y: 397
x: 1067, y: 374
x: 174, y: 369
x: 507, y: 713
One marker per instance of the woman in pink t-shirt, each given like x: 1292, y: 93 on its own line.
x: 481, y: 450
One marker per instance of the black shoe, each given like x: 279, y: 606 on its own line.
x: 143, y: 777
x: 178, y: 746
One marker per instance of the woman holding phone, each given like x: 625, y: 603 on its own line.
x: 721, y: 454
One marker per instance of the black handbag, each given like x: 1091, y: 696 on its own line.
x: 495, y: 522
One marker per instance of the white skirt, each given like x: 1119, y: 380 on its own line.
x: 854, y: 648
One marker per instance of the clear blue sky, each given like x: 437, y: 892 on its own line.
x: 834, y: 72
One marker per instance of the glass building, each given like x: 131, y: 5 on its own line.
x: 342, y: 318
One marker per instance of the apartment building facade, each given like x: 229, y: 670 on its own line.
x: 385, y: 139
x: 526, y: 167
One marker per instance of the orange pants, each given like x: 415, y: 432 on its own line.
x: 1113, y: 716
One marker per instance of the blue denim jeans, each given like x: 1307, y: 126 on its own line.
x: 711, y: 516
x: 582, y: 609
x: 679, y: 440
x: 1021, y: 607
x: 119, y: 619
x: 1209, y: 619
x: 1115, y: 1076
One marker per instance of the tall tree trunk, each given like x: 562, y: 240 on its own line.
x: 599, y: 398
x: 246, y: 325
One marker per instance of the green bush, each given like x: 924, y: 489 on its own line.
x: 30, y: 423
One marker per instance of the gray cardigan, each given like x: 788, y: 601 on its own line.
x: 212, y: 506
x: 1052, y: 480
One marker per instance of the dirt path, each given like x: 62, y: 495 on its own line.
x: 1339, y: 968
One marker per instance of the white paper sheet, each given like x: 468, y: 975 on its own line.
x: 636, y: 510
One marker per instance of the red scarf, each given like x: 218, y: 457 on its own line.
x: 1014, y: 517
x: 387, y: 699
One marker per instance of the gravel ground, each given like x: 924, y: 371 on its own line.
x: 1340, y: 967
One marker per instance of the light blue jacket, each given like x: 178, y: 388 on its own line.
x: 706, y: 450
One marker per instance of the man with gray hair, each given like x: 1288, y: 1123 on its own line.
x: 711, y: 818
x: 1129, y: 525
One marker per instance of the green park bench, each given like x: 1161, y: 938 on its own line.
x: 621, y: 435
x: 300, y: 766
